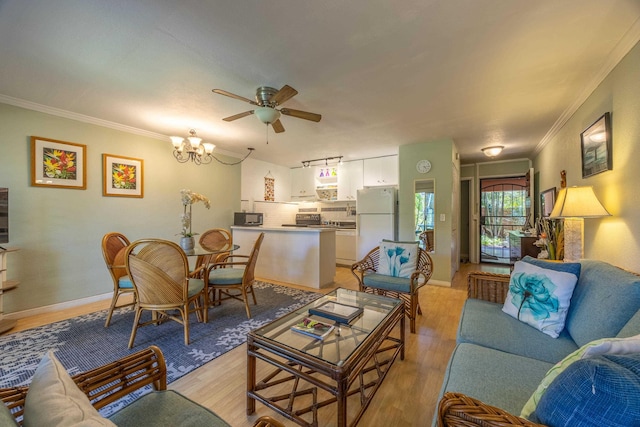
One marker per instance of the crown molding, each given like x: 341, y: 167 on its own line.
x: 624, y: 46
x: 17, y: 102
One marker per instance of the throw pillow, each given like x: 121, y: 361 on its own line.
x: 598, y: 391
x: 55, y: 400
x: 540, y: 297
x: 567, y: 267
x: 604, y: 346
x: 398, y: 259
x: 6, y: 417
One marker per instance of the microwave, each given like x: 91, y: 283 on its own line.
x: 247, y: 218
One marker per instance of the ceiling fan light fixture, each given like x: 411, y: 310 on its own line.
x: 492, y: 151
x: 267, y: 114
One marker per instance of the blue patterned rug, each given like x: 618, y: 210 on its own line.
x: 84, y: 343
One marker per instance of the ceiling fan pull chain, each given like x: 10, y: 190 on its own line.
x: 267, y: 126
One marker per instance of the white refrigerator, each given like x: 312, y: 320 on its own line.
x: 377, y: 217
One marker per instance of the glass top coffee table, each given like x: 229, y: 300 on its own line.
x: 345, y: 368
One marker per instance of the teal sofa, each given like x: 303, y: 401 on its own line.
x: 499, y: 362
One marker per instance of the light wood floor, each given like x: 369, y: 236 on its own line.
x: 406, y: 398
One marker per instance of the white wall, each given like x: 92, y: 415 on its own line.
x: 253, y: 173
x: 59, y: 230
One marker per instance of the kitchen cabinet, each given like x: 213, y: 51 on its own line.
x: 380, y: 171
x: 349, y: 180
x: 303, y: 184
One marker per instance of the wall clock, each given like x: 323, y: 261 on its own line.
x: 423, y: 166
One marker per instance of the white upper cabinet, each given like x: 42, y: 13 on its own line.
x: 303, y: 183
x: 381, y: 171
x: 349, y: 180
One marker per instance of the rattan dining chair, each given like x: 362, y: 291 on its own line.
x: 213, y: 240
x: 113, y: 247
x: 159, y: 271
x: 226, y: 281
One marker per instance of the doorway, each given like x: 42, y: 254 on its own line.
x: 424, y: 196
x: 503, y: 208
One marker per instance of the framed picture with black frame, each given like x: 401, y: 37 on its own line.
x: 596, y: 147
x: 547, y: 200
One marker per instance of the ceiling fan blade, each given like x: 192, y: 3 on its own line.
x: 301, y: 114
x: 283, y: 95
x: 238, y: 116
x: 233, y: 95
x: 277, y: 126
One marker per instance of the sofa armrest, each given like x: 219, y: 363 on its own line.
x: 459, y: 410
x: 486, y: 286
x: 107, y: 383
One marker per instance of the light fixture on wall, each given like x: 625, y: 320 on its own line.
x: 308, y: 163
x: 192, y: 148
x: 573, y: 205
x: 492, y: 151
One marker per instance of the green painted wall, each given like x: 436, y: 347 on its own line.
x: 59, y: 230
x: 613, y: 239
x: 439, y: 153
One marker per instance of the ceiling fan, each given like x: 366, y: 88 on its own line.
x: 267, y: 99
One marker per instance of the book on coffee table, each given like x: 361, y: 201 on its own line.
x: 341, y: 313
x: 313, y: 328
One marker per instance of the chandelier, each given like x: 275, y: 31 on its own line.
x: 201, y: 153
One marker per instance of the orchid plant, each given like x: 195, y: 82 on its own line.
x: 188, y: 198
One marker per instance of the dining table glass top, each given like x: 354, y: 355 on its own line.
x: 344, y: 339
x: 199, y: 250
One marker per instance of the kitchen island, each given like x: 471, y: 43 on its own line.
x: 299, y: 255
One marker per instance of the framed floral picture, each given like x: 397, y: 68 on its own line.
x: 122, y: 176
x: 58, y: 164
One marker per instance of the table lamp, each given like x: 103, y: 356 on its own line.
x: 573, y: 205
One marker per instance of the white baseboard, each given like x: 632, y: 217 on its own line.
x: 57, y: 307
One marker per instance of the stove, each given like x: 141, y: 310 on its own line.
x: 305, y: 220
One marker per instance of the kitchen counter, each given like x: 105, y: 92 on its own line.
x: 303, y: 256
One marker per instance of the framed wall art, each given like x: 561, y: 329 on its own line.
x: 58, y: 164
x: 122, y: 176
x: 547, y: 200
x: 596, y: 147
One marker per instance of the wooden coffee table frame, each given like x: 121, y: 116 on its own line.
x: 374, y: 355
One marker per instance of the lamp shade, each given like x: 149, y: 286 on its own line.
x: 578, y: 202
x: 267, y: 114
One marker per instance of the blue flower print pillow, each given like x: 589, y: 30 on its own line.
x: 398, y: 259
x: 540, y: 297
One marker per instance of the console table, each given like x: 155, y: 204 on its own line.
x: 5, y: 286
x: 521, y: 245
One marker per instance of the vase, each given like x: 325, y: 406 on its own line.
x: 187, y: 243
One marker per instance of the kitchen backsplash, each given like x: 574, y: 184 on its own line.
x: 278, y: 213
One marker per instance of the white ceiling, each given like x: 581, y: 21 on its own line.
x: 382, y: 73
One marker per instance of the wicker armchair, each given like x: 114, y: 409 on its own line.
x: 419, y: 278
x: 460, y: 410
x: 122, y: 376
x: 113, y: 248
x: 159, y: 271
x: 267, y: 421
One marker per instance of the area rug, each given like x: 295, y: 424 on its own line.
x: 83, y: 343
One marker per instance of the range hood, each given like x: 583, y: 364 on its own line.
x: 327, y: 192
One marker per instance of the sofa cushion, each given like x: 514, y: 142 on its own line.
x: 397, y: 259
x: 481, y: 320
x: 166, y: 408
x: 495, y: 377
x: 631, y: 328
x: 567, y: 267
x: 389, y: 283
x: 6, y: 417
x: 540, y: 296
x: 603, y: 301
x: 599, y: 391
x: 600, y: 347
x: 55, y: 400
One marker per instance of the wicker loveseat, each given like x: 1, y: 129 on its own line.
x: 108, y: 383
x: 499, y: 362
